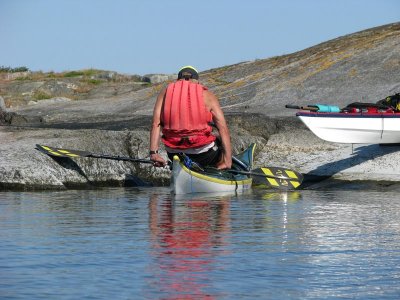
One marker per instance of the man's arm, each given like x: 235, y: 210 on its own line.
x: 212, y: 103
x: 156, y: 130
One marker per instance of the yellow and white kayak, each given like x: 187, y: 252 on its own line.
x: 187, y: 181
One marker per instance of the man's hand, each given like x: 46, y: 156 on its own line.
x: 158, y: 161
x: 224, y: 165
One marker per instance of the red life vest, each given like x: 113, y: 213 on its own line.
x: 184, y: 117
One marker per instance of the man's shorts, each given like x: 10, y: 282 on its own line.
x: 208, y: 158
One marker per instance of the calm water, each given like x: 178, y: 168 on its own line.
x: 147, y: 244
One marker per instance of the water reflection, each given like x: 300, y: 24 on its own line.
x: 187, y: 235
x: 147, y: 244
x: 284, y: 199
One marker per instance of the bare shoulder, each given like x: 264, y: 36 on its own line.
x: 208, y: 93
x: 163, y: 91
x: 161, y: 95
x: 210, y: 99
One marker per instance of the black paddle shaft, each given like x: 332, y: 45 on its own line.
x: 311, y: 108
x: 121, y: 158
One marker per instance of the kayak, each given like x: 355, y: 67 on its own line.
x: 186, y: 180
x: 358, y: 123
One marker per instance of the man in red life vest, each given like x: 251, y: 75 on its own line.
x: 184, y: 110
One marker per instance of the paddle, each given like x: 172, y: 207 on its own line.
x: 274, y: 177
x: 270, y: 176
x: 310, y: 108
x: 59, y: 152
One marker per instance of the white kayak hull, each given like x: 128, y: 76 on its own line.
x: 186, y: 181
x: 353, y: 128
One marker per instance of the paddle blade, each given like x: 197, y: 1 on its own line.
x: 280, y: 178
x: 59, y: 152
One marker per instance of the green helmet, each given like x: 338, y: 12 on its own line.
x: 188, y: 72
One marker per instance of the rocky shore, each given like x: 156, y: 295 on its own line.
x: 109, y: 116
x: 281, y: 142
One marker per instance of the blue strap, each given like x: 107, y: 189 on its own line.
x: 190, y: 164
x: 327, y: 108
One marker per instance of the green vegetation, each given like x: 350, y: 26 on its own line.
x: 40, y: 95
x: 73, y: 74
x: 93, y: 81
x: 82, y: 73
x: 51, y: 75
x: 4, y: 69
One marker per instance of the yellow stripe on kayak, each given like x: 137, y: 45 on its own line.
x: 216, y: 180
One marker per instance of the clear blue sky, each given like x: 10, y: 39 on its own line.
x: 159, y: 36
